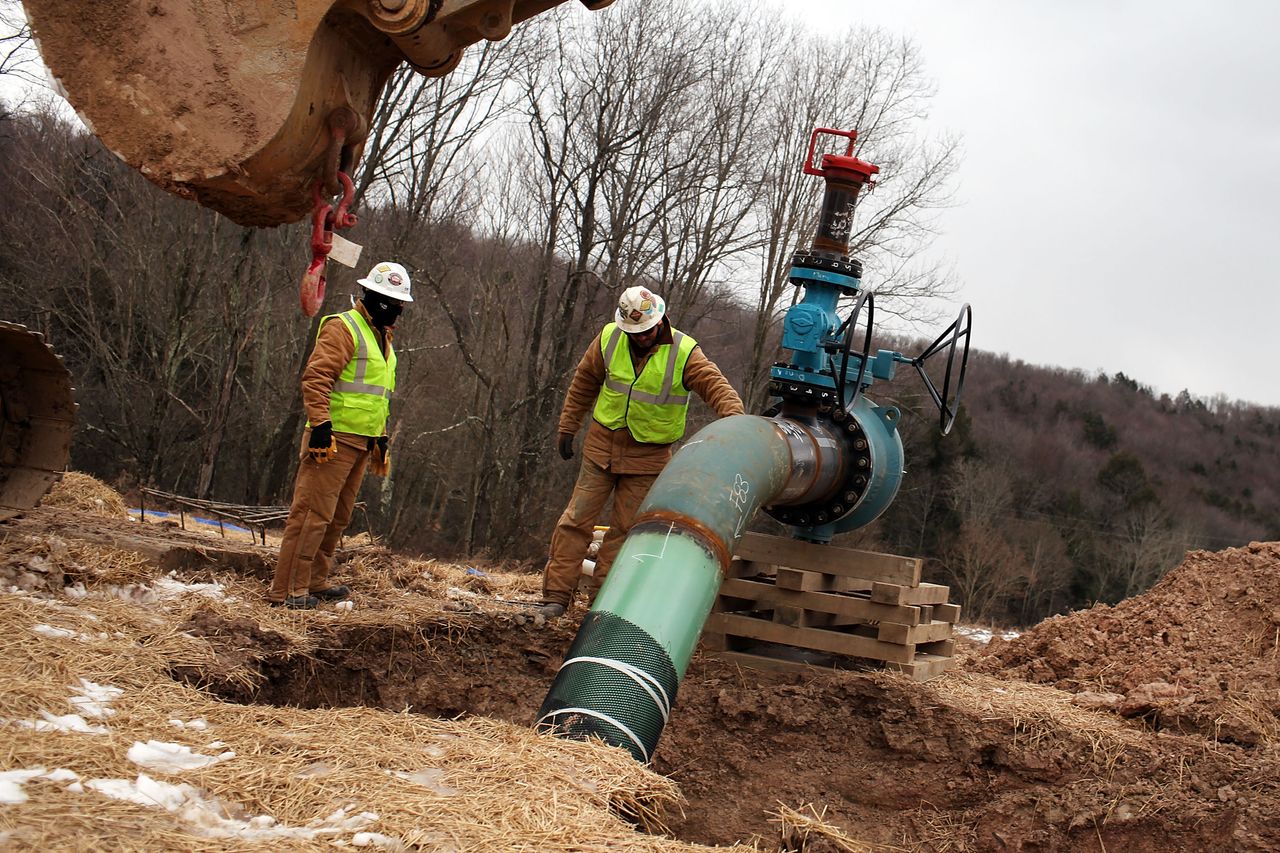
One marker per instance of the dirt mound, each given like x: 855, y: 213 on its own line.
x: 1199, y: 652
x: 87, y: 494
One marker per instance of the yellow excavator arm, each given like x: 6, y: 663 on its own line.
x: 243, y: 105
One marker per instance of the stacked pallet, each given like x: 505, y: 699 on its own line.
x: 787, y: 604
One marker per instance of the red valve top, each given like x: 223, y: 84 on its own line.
x: 839, y: 166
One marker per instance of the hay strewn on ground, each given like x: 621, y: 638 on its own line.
x: 89, y: 702
x: 297, y: 779
x: 87, y: 494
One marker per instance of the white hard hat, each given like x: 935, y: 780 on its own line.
x: 389, y: 279
x: 639, y: 309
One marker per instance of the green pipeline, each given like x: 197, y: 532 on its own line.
x: 668, y: 573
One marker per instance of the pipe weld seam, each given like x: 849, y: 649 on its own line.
x: 599, y: 715
x: 636, y: 674
x: 687, y: 526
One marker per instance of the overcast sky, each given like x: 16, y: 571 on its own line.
x: 1118, y: 204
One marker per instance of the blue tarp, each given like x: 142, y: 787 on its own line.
x: 212, y: 522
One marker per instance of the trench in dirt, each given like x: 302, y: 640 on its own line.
x: 890, y: 763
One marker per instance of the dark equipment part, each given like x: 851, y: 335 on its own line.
x: 948, y: 403
x: 37, y: 416
x: 867, y: 298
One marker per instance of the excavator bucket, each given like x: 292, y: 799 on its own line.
x: 39, y: 411
x: 243, y: 105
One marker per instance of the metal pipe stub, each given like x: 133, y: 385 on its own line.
x: 832, y: 463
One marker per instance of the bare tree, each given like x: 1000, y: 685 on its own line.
x: 137, y: 296
x: 984, y: 571
x: 18, y: 57
x: 868, y: 81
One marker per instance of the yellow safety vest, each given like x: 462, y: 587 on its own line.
x: 361, y: 398
x: 652, y: 405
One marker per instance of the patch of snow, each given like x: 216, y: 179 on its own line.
x: 39, y: 564
x: 145, y: 791
x: 52, y: 632
x: 170, y: 587
x: 982, y: 635
x: 172, y: 757
x: 95, y: 699
x: 12, y: 781
x: 210, y: 817
x: 428, y: 777
x: 59, y: 633
x: 377, y: 839
x: 162, y: 589
x: 199, y: 724
x: 65, y: 723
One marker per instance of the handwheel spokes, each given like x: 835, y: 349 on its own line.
x: 948, y: 403
x: 866, y: 298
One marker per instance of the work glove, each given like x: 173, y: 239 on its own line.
x: 380, y: 463
x: 322, y: 446
x: 566, y: 445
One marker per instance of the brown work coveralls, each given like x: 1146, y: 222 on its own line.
x: 615, y: 463
x: 324, y: 494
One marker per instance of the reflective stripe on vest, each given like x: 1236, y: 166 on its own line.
x: 359, y: 402
x: 652, y: 405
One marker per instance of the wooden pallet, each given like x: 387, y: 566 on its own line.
x: 789, y: 605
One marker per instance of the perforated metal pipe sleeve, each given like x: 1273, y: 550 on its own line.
x: 617, y: 683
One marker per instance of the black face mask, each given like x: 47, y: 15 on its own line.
x: 383, y: 310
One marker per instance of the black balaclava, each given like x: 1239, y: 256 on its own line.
x: 383, y: 310
x: 661, y: 326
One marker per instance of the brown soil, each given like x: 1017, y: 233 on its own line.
x: 1022, y: 748
x: 1198, y: 653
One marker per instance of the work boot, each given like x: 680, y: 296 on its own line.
x: 333, y: 593
x: 551, y: 610
x: 298, y: 602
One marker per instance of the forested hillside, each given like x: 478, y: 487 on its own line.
x: 1058, y: 488
x: 522, y: 207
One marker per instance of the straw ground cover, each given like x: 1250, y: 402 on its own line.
x: 88, y: 706
x: 87, y: 494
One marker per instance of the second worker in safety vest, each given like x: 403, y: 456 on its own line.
x: 346, y: 391
x: 634, y: 380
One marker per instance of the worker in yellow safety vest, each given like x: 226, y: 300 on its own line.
x: 346, y: 391
x: 635, y: 380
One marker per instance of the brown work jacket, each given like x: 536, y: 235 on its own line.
x: 334, y: 350
x: 616, y: 450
